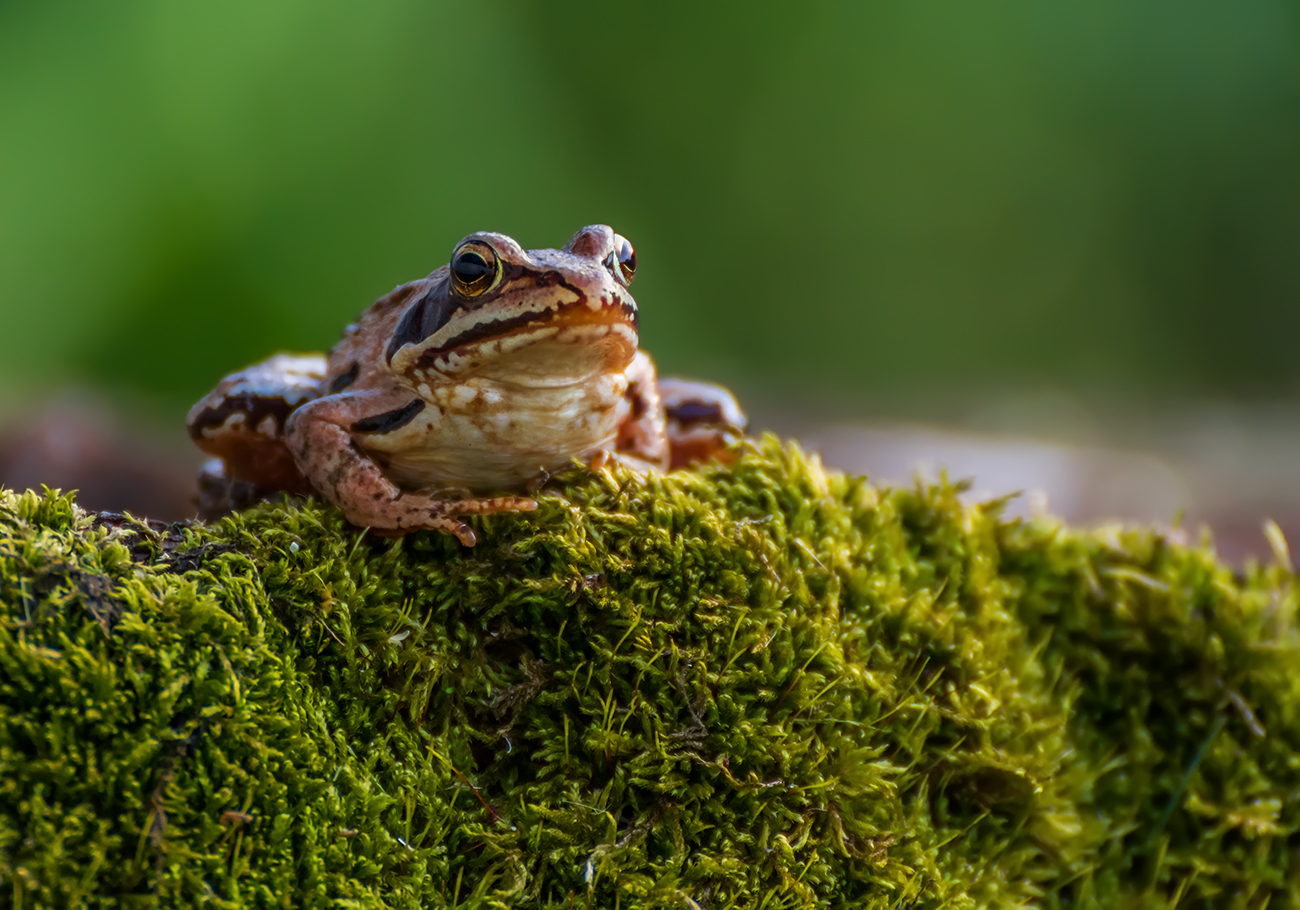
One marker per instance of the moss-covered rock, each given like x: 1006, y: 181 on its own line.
x: 763, y: 686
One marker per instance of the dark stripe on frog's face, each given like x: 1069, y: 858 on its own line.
x: 343, y: 380
x: 389, y: 420
x: 424, y: 317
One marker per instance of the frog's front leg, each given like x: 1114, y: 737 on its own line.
x: 327, y: 437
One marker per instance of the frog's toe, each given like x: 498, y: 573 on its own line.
x: 445, y: 517
x: 457, y: 529
x: 495, y: 504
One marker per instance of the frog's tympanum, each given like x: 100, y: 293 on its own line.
x: 481, y: 379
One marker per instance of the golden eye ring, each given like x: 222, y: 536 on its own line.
x: 475, y: 269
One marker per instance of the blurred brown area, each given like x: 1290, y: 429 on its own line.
x: 1226, y: 471
x: 116, y: 463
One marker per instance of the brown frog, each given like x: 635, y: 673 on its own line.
x: 487, y: 376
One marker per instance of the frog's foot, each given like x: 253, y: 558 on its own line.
x: 409, y: 512
x: 454, y: 508
x: 703, y: 421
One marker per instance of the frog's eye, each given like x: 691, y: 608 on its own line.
x: 474, y: 269
x: 624, y: 257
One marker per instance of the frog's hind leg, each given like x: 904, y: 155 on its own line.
x: 703, y: 421
x: 241, y: 422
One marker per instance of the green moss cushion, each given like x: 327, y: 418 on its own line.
x: 762, y: 686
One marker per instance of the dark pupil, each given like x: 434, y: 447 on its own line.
x: 627, y: 257
x: 470, y: 267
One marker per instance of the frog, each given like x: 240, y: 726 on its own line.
x: 462, y: 393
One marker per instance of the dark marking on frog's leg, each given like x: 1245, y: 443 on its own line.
x: 255, y: 409
x: 695, y: 413
x: 642, y: 434
x: 390, y: 420
x: 703, y: 421
x: 272, y: 388
x: 345, y: 379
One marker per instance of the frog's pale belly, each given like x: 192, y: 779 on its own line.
x: 482, y: 435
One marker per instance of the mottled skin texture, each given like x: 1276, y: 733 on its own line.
x: 492, y: 372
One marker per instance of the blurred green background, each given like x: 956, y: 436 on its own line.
x: 864, y: 208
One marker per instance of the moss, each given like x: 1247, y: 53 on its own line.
x: 764, y: 686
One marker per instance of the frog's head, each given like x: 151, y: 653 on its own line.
x: 534, y: 317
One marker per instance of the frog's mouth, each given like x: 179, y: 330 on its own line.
x: 606, y: 335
